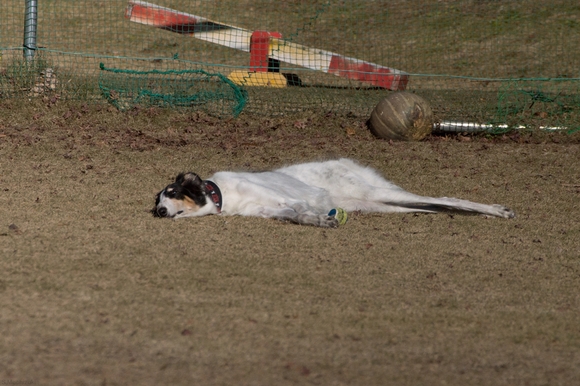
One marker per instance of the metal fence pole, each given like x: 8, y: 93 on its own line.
x: 30, y: 19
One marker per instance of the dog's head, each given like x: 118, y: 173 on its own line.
x: 183, y: 198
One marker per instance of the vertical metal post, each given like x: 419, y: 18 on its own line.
x: 30, y: 19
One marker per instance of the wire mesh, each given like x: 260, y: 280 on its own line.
x: 513, y: 63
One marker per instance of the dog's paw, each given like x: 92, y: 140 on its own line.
x: 328, y: 222
x: 504, y: 212
x: 318, y: 220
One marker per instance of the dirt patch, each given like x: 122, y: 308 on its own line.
x: 96, y: 291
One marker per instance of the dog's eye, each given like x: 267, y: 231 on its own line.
x: 171, y: 194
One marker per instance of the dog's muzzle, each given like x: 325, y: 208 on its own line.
x: 162, y: 212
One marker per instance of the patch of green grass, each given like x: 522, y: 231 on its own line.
x: 438, y: 41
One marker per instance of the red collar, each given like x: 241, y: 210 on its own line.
x: 214, y: 193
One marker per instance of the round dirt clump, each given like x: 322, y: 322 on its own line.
x: 402, y: 116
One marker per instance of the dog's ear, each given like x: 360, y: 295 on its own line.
x: 188, y: 179
x: 192, y: 186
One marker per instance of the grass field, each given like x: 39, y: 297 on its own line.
x: 95, y: 291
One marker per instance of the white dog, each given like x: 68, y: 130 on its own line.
x: 303, y: 194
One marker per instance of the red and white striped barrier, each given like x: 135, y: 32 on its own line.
x: 278, y: 48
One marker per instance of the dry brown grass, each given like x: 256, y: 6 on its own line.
x: 95, y: 290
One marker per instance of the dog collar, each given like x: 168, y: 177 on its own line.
x: 214, y: 193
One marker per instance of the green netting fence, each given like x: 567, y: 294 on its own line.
x: 214, y: 93
x: 501, y: 64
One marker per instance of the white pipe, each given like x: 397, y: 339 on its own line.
x: 470, y: 127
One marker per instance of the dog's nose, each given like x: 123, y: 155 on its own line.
x: 162, y: 211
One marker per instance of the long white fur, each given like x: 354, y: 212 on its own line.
x: 305, y: 193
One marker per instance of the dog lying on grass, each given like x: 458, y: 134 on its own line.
x: 314, y: 193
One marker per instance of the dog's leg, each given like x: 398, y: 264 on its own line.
x: 437, y: 204
x: 298, y: 217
